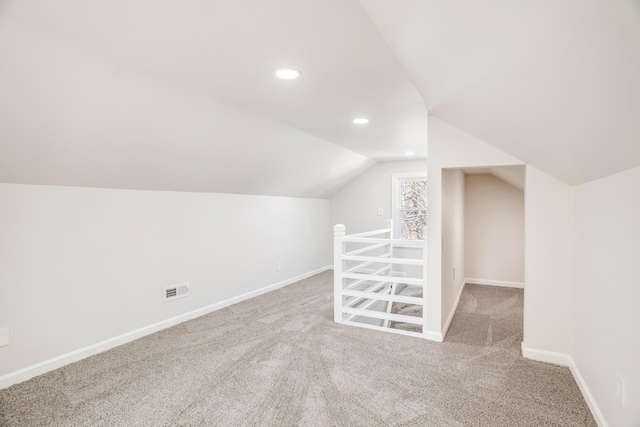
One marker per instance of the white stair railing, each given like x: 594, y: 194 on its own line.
x: 378, y: 281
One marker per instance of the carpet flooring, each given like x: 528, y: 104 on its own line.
x: 279, y: 360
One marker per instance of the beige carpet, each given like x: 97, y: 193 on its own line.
x: 279, y: 360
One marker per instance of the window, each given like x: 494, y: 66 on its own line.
x: 409, y: 205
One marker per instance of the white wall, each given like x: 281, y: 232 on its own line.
x: 449, y: 147
x: 453, y: 240
x: 356, y: 205
x: 606, y: 292
x: 82, y: 265
x: 547, y: 294
x: 494, y: 229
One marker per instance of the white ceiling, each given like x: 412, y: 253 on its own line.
x: 553, y: 83
x: 167, y: 95
x: 513, y: 175
x: 182, y: 95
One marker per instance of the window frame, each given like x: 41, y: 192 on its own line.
x: 396, y: 198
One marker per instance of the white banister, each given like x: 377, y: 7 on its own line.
x: 398, y: 242
x: 367, y: 249
x: 406, y: 261
x: 424, y: 274
x: 371, y: 233
x: 339, y: 231
x: 389, y: 225
x: 367, y: 286
x: 392, y: 279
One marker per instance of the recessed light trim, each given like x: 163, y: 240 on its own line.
x: 360, y: 121
x: 288, y: 73
x: 409, y: 153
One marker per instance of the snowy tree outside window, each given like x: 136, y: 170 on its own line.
x: 410, y: 205
x: 414, y: 208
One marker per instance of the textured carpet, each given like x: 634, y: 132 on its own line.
x: 278, y: 359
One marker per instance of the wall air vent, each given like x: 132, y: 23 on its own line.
x: 172, y: 292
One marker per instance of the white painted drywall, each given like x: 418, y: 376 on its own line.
x: 606, y: 291
x: 453, y: 238
x: 494, y: 229
x: 82, y: 265
x: 449, y: 147
x: 547, y: 295
x: 554, y: 83
x: 356, y: 205
x: 69, y: 116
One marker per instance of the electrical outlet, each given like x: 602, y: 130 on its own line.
x: 4, y: 337
x: 380, y: 212
x: 278, y: 266
x: 621, y: 390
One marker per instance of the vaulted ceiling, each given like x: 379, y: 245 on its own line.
x: 166, y: 95
x: 553, y: 83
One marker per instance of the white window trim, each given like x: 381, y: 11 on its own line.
x: 395, y: 197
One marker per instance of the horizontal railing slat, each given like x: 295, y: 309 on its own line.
x: 365, y: 306
x: 384, y: 297
x: 366, y: 249
x: 375, y: 278
x: 365, y: 263
x: 372, y: 288
x: 353, y: 301
x: 370, y: 233
x: 375, y: 273
x: 399, y: 242
x: 373, y: 259
x: 385, y: 316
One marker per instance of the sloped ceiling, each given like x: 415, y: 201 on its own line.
x: 553, y: 83
x: 166, y: 95
x: 513, y: 175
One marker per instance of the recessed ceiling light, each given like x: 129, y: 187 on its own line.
x: 361, y: 121
x: 409, y: 153
x: 288, y: 73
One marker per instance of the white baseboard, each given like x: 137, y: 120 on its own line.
x: 546, y: 356
x: 564, y: 359
x: 433, y: 336
x: 586, y: 393
x: 502, y: 283
x: 453, y: 311
x: 29, y: 372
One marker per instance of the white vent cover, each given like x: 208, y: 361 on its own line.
x: 172, y: 292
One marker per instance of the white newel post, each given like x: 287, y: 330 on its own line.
x: 338, y: 249
x: 424, y: 281
x: 389, y: 225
